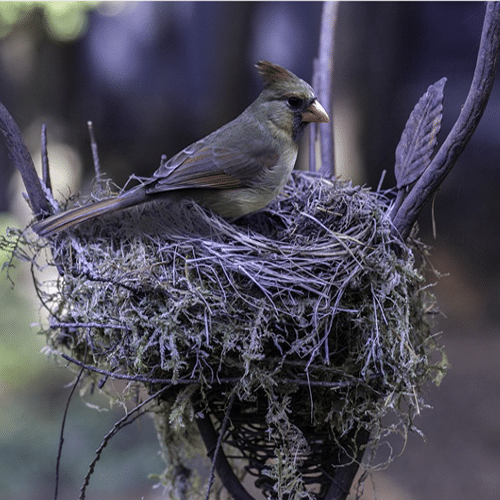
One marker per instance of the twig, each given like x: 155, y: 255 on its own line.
x: 45, y: 160
x: 63, y: 424
x: 222, y: 431
x: 464, y: 127
x: 220, y: 380
x: 346, y: 472
x: 124, y: 421
x: 95, y: 157
x: 134, y: 378
x: 222, y: 466
x: 313, y: 127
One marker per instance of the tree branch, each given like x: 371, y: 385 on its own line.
x: 21, y: 158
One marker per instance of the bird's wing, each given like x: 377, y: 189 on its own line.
x: 203, y: 166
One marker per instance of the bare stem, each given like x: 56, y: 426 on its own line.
x: 45, y: 160
x: 21, y: 158
x: 325, y: 73
x: 322, y: 82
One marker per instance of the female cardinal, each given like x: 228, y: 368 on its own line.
x: 236, y: 170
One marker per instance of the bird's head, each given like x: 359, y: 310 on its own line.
x: 287, y: 101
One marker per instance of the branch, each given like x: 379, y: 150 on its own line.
x: 464, y: 127
x: 222, y: 466
x: 322, y: 83
x: 325, y: 71
x: 215, y: 454
x: 21, y: 158
x: 345, y: 473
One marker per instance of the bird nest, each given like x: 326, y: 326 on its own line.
x: 308, y: 322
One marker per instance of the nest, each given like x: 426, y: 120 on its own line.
x: 306, y: 324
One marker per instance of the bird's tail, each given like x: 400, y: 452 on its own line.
x: 64, y: 220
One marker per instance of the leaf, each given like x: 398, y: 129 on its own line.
x: 419, y: 138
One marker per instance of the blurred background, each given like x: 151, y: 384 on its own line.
x: 154, y: 77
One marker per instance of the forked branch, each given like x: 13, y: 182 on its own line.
x: 463, y: 129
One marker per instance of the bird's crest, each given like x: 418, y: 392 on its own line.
x: 272, y: 73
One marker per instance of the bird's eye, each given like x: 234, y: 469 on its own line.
x: 294, y: 102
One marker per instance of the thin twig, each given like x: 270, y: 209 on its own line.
x: 313, y: 127
x: 224, y: 426
x: 93, y: 147
x: 77, y: 324
x: 345, y: 474
x: 45, y: 160
x: 220, y: 380
x: 124, y: 421
x: 224, y: 470
x: 63, y: 425
x: 95, y: 156
x: 464, y: 127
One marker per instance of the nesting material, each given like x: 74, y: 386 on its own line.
x: 311, y: 312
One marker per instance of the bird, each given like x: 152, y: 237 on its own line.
x: 234, y: 171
